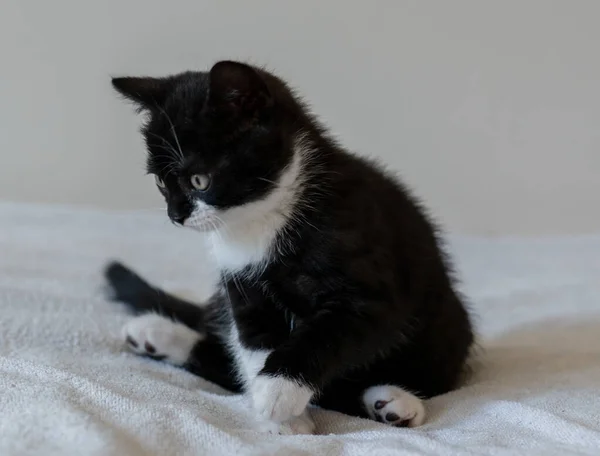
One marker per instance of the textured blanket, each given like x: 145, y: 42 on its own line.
x: 68, y: 386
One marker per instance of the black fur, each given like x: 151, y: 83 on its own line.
x: 141, y: 297
x: 362, y: 293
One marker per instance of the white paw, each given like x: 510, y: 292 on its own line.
x: 160, y: 338
x: 394, y: 405
x: 279, y: 399
x: 301, y: 425
x: 298, y: 425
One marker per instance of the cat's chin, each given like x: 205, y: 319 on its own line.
x: 202, y: 228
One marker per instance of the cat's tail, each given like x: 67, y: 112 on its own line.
x: 140, y: 297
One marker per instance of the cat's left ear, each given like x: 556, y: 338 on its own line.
x: 237, y: 92
x: 147, y: 93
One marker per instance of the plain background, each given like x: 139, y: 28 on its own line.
x: 490, y: 110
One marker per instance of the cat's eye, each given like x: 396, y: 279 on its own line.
x: 200, y: 181
x: 160, y: 182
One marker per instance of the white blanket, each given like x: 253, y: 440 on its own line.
x: 68, y: 387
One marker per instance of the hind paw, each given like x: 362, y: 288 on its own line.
x: 160, y: 338
x: 394, y: 406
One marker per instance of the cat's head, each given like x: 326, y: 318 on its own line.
x: 218, y: 141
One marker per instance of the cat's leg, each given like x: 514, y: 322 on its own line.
x: 160, y: 338
x: 385, y: 403
x: 299, y: 370
x: 393, y: 405
x: 173, y: 330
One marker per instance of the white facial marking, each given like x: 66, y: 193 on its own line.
x: 245, y: 235
x: 154, y: 335
x: 204, y: 218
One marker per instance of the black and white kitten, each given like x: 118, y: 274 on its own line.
x: 334, y: 290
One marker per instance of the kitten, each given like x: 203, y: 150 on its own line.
x: 334, y: 289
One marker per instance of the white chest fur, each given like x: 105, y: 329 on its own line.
x: 233, y: 252
x: 248, y: 232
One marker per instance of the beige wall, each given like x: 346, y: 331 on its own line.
x: 489, y: 109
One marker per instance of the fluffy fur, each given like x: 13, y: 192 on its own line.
x: 335, y: 289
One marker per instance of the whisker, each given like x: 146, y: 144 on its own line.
x: 172, y: 163
x: 163, y: 140
x: 148, y: 209
x: 169, y: 167
x: 165, y: 156
x: 223, y: 226
x: 178, y: 155
x: 173, y: 132
x: 168, y: 149
x: 268, y: 180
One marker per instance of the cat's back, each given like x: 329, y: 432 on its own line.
x: 367, y: 198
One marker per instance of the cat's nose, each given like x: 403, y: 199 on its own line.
x: 178, y: 213
x: 178, y: 219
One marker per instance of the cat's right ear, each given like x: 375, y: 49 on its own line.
x: 147, y: 93
x: 237, y: 93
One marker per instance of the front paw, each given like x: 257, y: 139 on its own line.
x: 298, y: 425
x: 278, y: 398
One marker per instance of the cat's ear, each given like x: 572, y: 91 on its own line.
x: 147, y: 93
x: 237, y: 91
